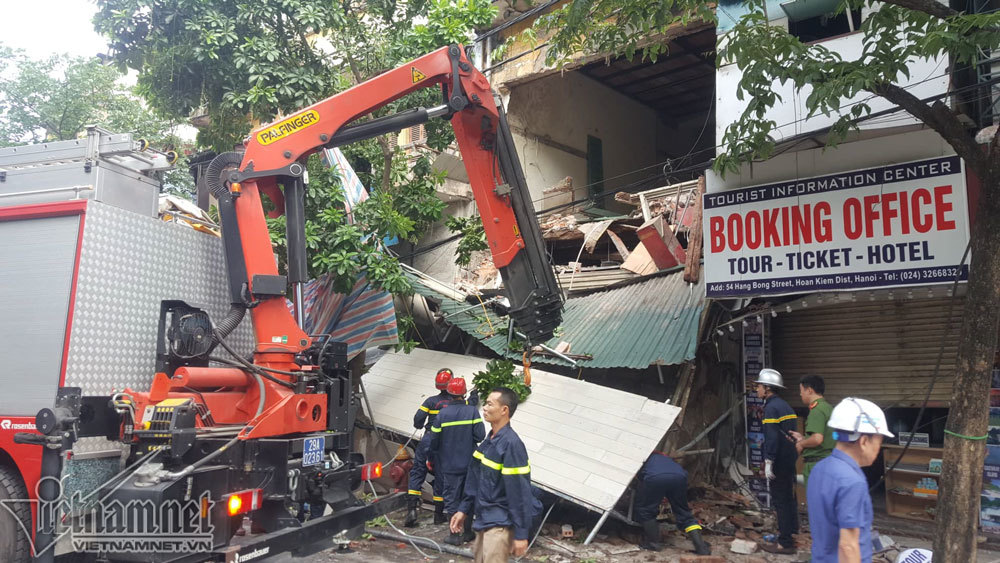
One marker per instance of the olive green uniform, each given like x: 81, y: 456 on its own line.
x: 819, y: 415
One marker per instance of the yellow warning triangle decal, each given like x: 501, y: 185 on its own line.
x: 416, y: 74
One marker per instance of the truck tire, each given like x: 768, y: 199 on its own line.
x: 14, y: 543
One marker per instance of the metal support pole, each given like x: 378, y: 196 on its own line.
x: 551, y: 351
x: 597, y: 527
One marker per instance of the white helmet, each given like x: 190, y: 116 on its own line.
x: 853, y: 417
x: 770, y: 377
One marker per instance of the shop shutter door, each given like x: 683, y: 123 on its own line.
x: 881, y: 351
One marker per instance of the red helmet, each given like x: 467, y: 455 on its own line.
x: 442, y: 378
x: 456, y: 387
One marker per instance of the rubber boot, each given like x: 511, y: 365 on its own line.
x: 467, y: 533
x: 411, y: 511
x: 650, y: 535
x: 700, y: 547
x: 439, y: 516
x: 453, y: 538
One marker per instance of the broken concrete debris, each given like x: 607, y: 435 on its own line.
x: 745, y: 547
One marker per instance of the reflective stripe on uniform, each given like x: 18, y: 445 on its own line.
x: 412, y: 492
x: 435, y: 428
x: 499, y: 466
x: 438, y: 499
x: 459, y: 422
x: 779, y: 420
x: 487, y: 461
x: 692, y: 527
x: 427, y: 410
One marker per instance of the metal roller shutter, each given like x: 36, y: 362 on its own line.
x: 881, y: 351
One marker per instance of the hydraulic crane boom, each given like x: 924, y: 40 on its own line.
x: 275, y: 155
x: 241, y: 441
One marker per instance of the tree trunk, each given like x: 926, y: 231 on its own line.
x: 961, y: 478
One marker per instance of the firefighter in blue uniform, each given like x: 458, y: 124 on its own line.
x: 779, y: 460
x: 662, y: 477
x: 422, y: 460
x: 498, y: 492
x: 457, y: 430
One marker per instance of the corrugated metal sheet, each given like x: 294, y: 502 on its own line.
x: 584, y: 441
x: 593, y: 278
x: 644, y: 323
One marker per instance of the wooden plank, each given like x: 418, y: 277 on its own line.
x: 692, y: 268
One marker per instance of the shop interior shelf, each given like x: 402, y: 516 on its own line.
x: 910, y: 470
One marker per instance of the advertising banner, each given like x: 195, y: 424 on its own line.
x: 754, y: 360
x: 890, y: 226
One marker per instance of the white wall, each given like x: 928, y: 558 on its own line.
x: 927, y: 78
x: 903, y: 147
x: 565, y: 109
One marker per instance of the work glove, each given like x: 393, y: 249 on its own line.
x: 769, y: 470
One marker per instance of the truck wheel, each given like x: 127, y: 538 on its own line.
x: 14, y: 544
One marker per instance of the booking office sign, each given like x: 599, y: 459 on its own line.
x: 889, y: 226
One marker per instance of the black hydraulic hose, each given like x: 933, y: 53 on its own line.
x: 215, y: 170
x: 190, y: 469
x: 227, y: 325
x: 255, y: 369
x: 215, y: 180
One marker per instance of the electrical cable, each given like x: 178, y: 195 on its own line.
x: 371, y: 415
x: 514, y: 21
x: 937, y: 367
x: 538, y: 532
x: 404, y: 534
x: 700, y: 166
x: 257, y: 370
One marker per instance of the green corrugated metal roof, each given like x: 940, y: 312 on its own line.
x: 644, y: 323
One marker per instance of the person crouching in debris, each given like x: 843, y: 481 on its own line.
x: 840, y: 508
x: 498, y: 486
x: 457, y: 430
x: 779, y: 460
x: 662, y: 477
x: 422, y: 460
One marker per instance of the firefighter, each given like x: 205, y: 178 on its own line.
x: 662, y: 477
x: 498, y: 486
x: 457, y: 430
x: 779, y: 460
x: 422, y: 461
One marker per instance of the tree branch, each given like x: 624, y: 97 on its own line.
x: 383, y: 141
x: 931, y: 7
x: 940, y: 118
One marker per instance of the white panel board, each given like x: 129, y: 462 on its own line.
x: 584, y: 441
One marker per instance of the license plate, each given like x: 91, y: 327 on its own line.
x: 312, y: 451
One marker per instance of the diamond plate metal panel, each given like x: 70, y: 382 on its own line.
x: 128, y: 264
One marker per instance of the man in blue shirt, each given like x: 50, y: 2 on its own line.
x: 498, y: 487
x: 840, y: 508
